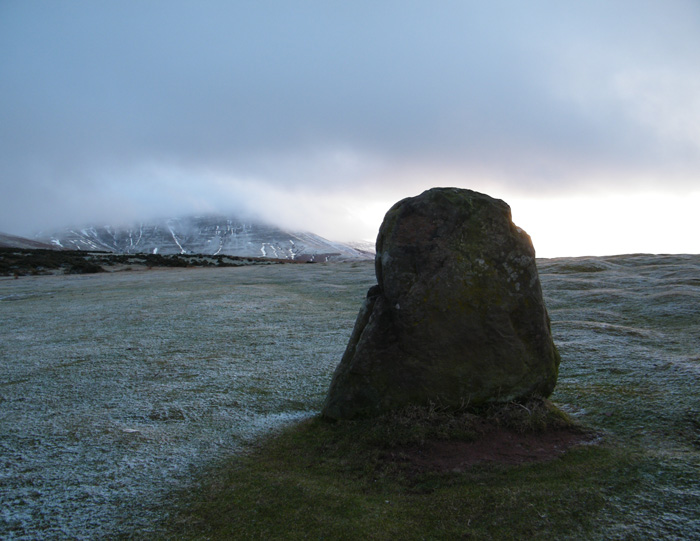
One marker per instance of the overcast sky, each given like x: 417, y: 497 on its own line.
x: 321, y: 114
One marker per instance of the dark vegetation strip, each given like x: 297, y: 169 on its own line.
x: 23, y: 262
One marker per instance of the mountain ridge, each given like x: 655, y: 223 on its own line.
x: 14, y: 241
x: 204, y: 234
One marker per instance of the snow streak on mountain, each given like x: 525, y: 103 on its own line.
x: 212, y: 235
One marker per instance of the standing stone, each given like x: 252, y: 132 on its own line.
x: 457, y: 316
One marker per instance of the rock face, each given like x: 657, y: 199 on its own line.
x: 457, y: 315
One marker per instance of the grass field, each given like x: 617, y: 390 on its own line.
x: 149, y: 403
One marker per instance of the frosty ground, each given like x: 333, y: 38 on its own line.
x: 117, y: 388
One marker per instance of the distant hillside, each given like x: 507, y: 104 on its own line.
x: 210, y: 235
x: 11, y: 241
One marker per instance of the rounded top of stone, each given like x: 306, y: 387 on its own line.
x: 452, y: 196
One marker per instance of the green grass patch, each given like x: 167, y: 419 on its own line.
x: 321, y: 480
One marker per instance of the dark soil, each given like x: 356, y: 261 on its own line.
x: 498, y: 446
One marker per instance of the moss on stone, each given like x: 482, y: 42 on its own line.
x: 457, y: 315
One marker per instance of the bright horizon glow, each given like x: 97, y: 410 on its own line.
x: 594, y: 225
x: 599, y: 225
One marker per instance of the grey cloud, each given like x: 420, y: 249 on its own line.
x: 530, y: 93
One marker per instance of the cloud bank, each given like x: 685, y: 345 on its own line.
x: 318, y: 113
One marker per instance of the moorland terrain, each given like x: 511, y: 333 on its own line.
x: 149, y: 403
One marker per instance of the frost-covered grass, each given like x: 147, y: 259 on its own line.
x: 116, y: 388
x: 628, y: 329
x: 120, y: 391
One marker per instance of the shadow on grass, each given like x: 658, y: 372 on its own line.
x: 360, y: 480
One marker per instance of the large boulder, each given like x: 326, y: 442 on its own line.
x: 457, y: 316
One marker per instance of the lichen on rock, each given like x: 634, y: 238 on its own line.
x: 457, y: 315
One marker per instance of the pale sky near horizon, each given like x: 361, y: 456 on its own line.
x: 319, y: 115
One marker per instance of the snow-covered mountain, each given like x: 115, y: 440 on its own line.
x: 204, y: 235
